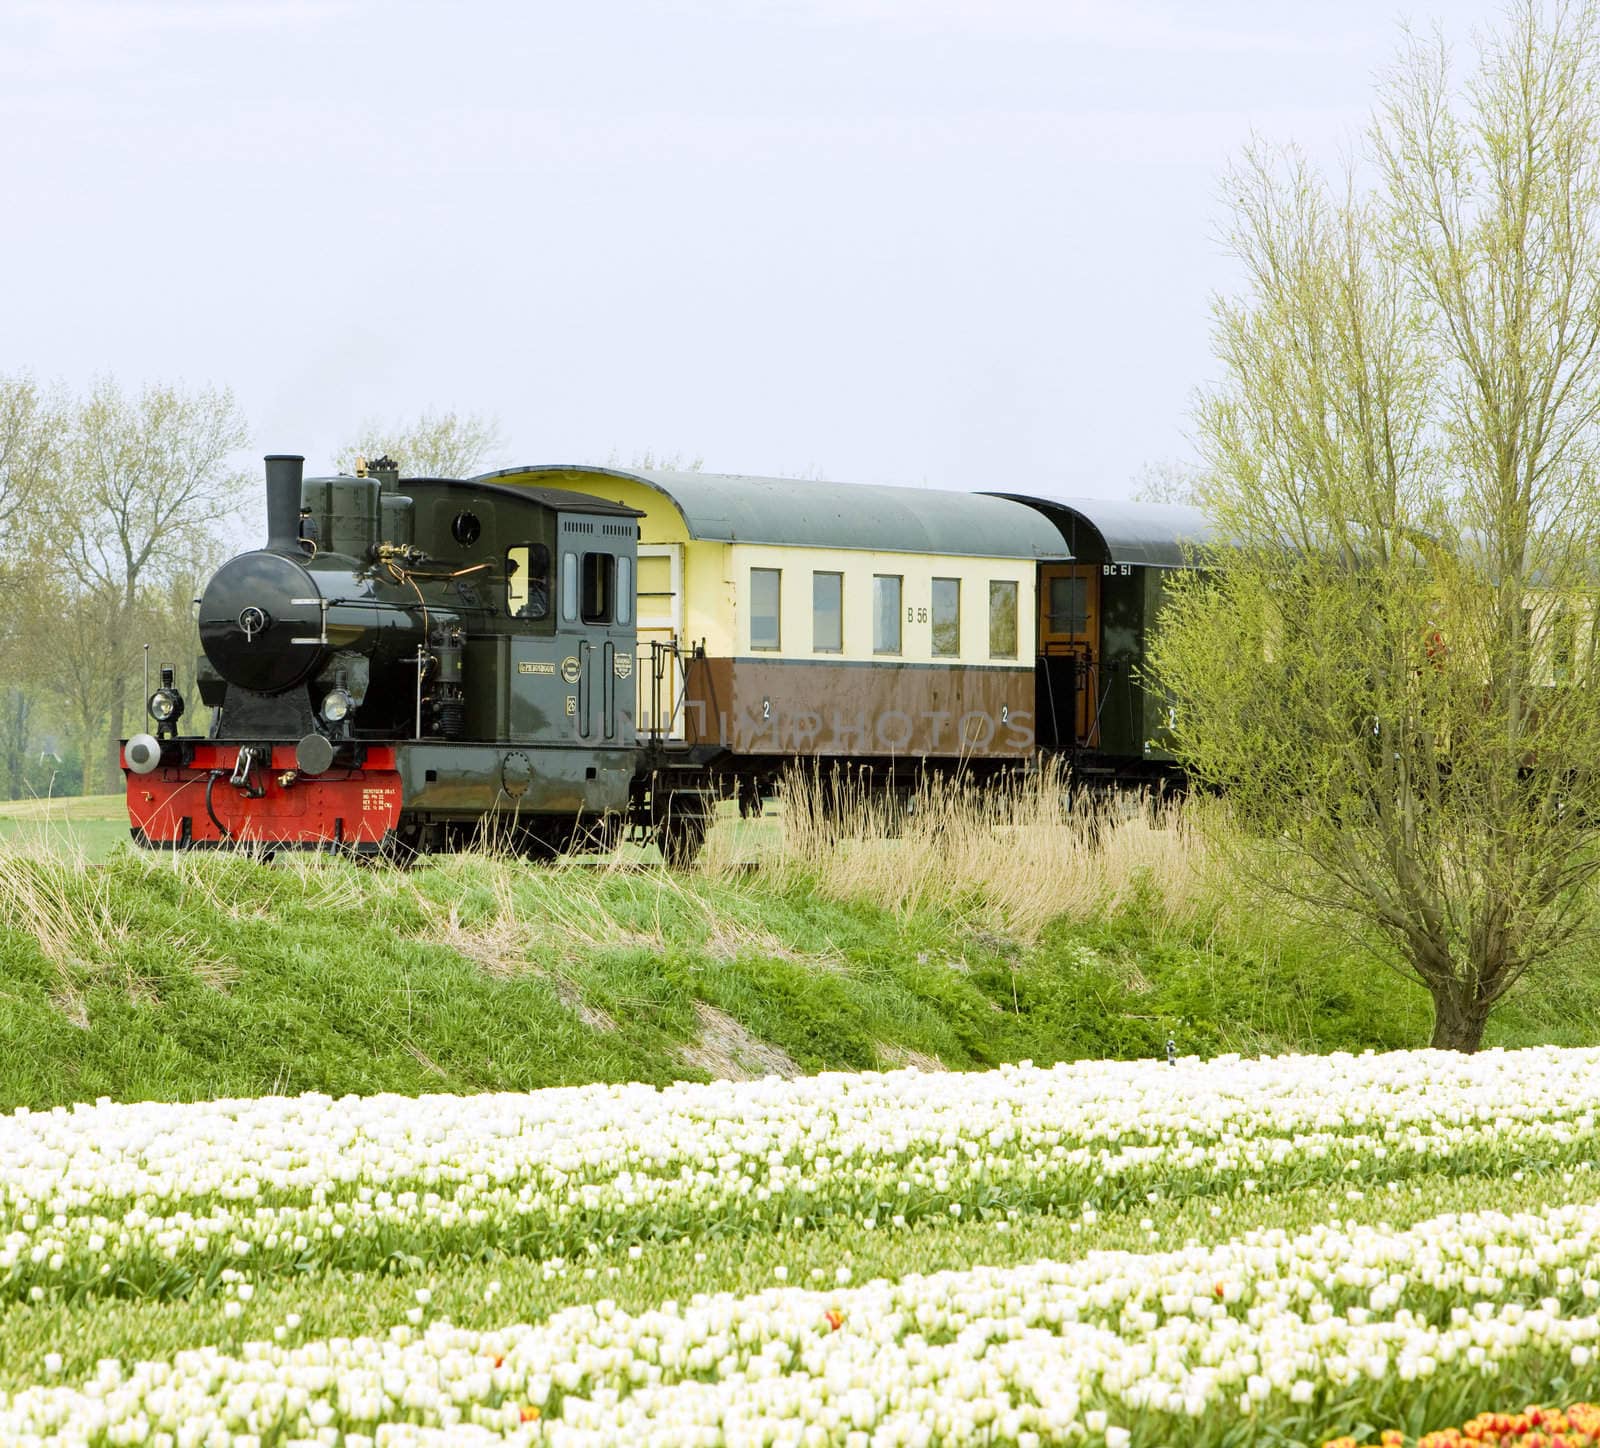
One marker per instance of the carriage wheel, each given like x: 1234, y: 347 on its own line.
x: 680, y: 829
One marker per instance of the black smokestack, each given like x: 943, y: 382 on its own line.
x: 284, y: 472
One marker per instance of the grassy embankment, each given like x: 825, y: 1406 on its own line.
x: 92, y: 826
x: 978, y: 934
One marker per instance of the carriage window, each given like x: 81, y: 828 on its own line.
x: 655, y: 581
x: 1069, y: 606
x: 886, y: 613
x: 528, y: 580
x: 946, y: 618
x: 764, y: 594
x: 827, y: 613
x: 569, y: 586
x: 624, y: 590
x: 599, y: 587
x: 1002, y: 619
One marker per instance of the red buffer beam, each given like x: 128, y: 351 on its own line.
x: 210, y: 801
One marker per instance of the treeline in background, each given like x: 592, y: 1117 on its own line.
x: 115, y: 506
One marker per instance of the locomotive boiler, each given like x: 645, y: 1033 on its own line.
x: 324, y: 632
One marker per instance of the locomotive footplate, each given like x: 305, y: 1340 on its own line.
x: 207, y: 795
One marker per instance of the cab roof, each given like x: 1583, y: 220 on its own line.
x: 559, y: 499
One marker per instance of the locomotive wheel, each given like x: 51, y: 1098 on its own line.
x: 401, y: 848
x: 599, y: 836
x: 543, y: 840
x: 750, y: 802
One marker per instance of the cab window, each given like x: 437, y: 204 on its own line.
x: 599, y: 587
x: 624, y: 590
x: 569, y: 586
x: 528, y: 580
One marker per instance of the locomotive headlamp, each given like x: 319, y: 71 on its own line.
x: 165, y: 706
x: 336, y: 705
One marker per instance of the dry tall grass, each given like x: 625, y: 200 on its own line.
x: 1018, y: 852
x: 1008, y: 855
x: 85, y: 925
x: 572, y: 907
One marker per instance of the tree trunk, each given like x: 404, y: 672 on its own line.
x: 17, y: 706
x: 113, y: 775
x: 1458, y: 1018
x: 89, y: 741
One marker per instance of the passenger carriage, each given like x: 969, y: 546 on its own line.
x: 890, y: 627
x: 783, y: 618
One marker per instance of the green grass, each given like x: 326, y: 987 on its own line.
x: 148, y: 977
x: 836, y: 984
x: 90, y: 827
x: 72, y: 809
x: 145, y: 976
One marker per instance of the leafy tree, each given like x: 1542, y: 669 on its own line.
x: 31, y: 424
x: 436, y: 445
x: 148, y: 481
x: 16, y: 735
x: 30, y: 430
x: 90, y: 676
x: 29, y: 642
x: 1389, y: 669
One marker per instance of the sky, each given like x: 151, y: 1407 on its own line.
x: 951, y: 243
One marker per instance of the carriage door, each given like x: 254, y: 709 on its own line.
x: 660, y: 666
x: 1069, y: 655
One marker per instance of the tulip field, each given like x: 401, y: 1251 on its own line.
x: 1288, y: 1250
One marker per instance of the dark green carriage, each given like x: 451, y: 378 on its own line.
x: 1093, y: 697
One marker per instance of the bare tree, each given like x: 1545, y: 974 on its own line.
x: 651, y: 461
x: 1166, y: 481
x: 435, y: 445
x: 1390, y: 668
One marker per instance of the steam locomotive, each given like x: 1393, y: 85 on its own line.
x: 392, y: 670
x: 409, y: 666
